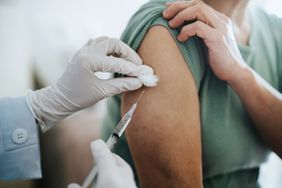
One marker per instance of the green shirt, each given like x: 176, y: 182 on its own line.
x: 232, y: 150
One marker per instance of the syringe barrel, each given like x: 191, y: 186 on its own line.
x: 111, y: 142
x: 122, y: 125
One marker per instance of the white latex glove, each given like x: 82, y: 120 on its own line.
x: 79, y: 88
x: 113, y: 171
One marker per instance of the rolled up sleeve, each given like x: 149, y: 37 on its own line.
x: 19, y: 143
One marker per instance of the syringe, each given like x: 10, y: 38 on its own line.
x: 115, y: 136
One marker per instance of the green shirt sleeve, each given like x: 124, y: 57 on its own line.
x: 150, y: 15
x: 275, y: 38
x: 278, y: 33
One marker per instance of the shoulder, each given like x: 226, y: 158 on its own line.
x: 268, y: 22
x: 273, y: 19
x: 148, y: 22
x: 160, y: 51
x: 270, y: 29
x: 141, y: 21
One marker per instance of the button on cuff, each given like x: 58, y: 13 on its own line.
x: 20, y: 136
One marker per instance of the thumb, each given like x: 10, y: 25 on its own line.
x: 103, y: 156
x: 124, y: 169
x: 120, y: 161
x: 119, y: 85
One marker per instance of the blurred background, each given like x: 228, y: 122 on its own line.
x: 37, y: 38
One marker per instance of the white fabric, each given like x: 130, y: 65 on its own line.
x: 149, y: 80
x: 79, y: 88
x: 113, y: 171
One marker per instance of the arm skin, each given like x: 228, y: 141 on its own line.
x: 264, y: 105
x: 164, y: 135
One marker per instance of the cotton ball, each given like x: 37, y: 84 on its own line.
x: 149, y: 80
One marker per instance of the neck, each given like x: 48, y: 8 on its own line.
x: 234, y: 9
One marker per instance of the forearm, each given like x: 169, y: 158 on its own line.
x: 264, y: 105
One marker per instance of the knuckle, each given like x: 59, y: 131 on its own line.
x: 185, y: 29
x: 219, y: 37
x: 174, y: 6
x: 178, y: 4
x: 181, y: 16
x: 198, y: 25
x: 199, y: 9
x: 100, y: 39
x: 113, y: 40
x: 224, y: 29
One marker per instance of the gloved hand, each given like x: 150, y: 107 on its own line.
x: 79, y: 88
x: 113, y: 171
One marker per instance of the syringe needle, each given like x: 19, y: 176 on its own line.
x: 114, y: 138
x: 141, y: 95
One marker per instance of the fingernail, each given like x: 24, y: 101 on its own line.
x: 164, y: 13
x: 171, y: 24
x: 180, y: 38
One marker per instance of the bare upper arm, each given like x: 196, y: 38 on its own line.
x: 164, y: 135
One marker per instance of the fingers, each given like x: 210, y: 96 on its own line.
x: 174, y: 7
x: 208, y: 26
x: 197, y: 28
x: 115, y: 47
x: 119, y: 65
x: 194, y: 11
x: 74, y: 185
x: 104, y: 158
x: 123, y: 167
x: 197, y: 12
x: 119, y: 85
x: 123, y: 51
x: 97, y: 40
x: 121, y: 162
